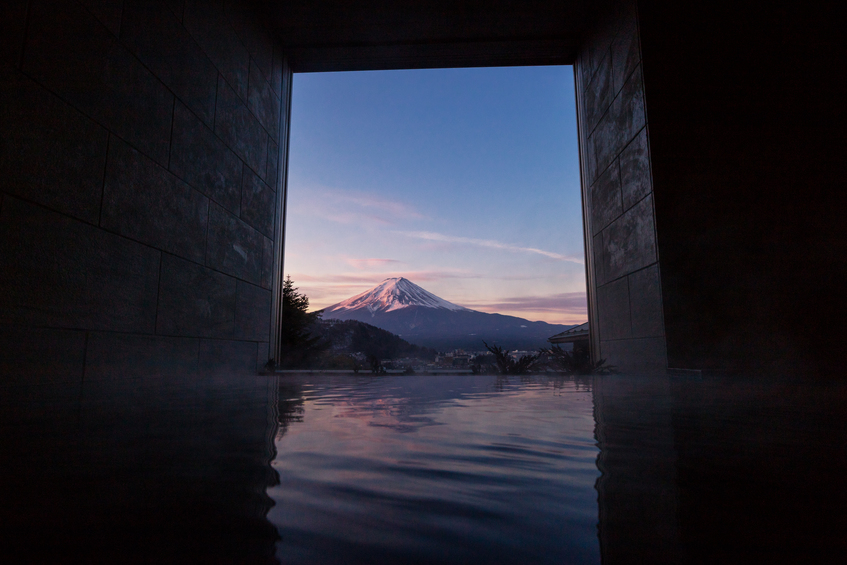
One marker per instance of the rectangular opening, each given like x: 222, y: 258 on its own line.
x: 462, y: 186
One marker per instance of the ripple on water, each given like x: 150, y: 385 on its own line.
x: 422, y: 469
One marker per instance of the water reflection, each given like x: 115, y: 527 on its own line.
x: 436, y: 469
x: 135, y: 467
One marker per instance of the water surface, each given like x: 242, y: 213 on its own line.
x: 435, y: 469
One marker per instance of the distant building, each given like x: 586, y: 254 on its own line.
x: 577, y: 335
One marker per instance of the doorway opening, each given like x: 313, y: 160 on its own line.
x: 441, y: 206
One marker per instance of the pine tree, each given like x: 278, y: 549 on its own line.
x: 299, y: 345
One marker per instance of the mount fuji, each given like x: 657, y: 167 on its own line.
x: 420, y: 317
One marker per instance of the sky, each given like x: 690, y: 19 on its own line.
x: 464, y: 181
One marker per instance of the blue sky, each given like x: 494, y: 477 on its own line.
x: 465, y: 181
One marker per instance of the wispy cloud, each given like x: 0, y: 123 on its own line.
x: 369, y: 263
x: 374, y: 278
x: 565, y: 303
x: 489, y: 243
x: 351, y: 206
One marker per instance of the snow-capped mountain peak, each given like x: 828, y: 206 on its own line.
x: 392, y: 294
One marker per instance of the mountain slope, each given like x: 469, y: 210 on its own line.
x: 389, y: 295
x: 403, y: 308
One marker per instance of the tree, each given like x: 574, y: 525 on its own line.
x: 576, y: 362
x: 508, y: 366
x: 299, y: 344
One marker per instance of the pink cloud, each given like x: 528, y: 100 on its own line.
x: 489, y: 243
x: 370, y: 262
x: 351, y: 206
x: 564, y: 303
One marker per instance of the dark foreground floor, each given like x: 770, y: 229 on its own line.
x: 261, y: 469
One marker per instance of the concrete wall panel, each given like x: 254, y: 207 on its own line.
x: 645, y: 291
x: 263, y: 102
x: 121, y: 357
x: 51, y: 154
x: 619, y: 125
x: 208, y: 25
x: 257, y: 203
x: 223, y: 358
x: 145, y: 202
x: 629, y: 243
x: 613, y: 304
x: 256, y: 39
x: 624, y: 292
x: 157, y: 38
x: 276, y: 71
x: 606, y: 198
x: 273, y: 164
x: 267, y: 263
x: 195, y: 300
x: 635, y: 171
x: 69, y: 51
x: 598, y: 95
x: 644, y: 355
x: 234, y: 247
x: 126, y: 126
x: 625, y: 50
x: 240, y: 129
x: 202, y: 160
x: 73, y: 275
x: 252, y: 318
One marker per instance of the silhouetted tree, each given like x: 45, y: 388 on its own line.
x: 376, y: 365
x: 576, y: 362
x: 299, y: 341
x: 508, y: 366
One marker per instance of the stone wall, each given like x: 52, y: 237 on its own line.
x: 139, y: 187
x: 624, y: 289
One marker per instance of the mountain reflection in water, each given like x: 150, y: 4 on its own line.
x: 436, y: 469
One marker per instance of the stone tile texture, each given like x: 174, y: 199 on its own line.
x: 252, y: 313
x: 73, y: 275
x: 625, y: 283
x: 156, y: 36
x: 262, y: 101
x: 202, y: 160
x: 139, y: 157
x: 636, y: 180
x: 145, y: 202
x: 239, y: 128
x: 267, y: 263
x: 223, y: 358
x: 69, y: 51
x: 209, y: 26
x: 613, y: 303
x: 606, y: 198
x: 629, y: 243
x: 257, y: 203
x: 122, y: 357
x: 645, y: 291
x: 51, y: 153
x: 194, y: 300
x: 233, y: 246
